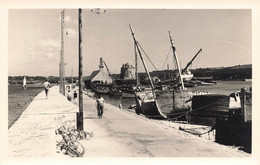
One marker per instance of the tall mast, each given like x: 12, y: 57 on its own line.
x: 136, y: 43
x: 176, y: 60
x: 136, y: 66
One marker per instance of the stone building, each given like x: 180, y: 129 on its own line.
x: 127, y: 72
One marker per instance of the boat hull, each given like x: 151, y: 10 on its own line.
x: 146, y: 104
x: 182, y: 100
x: 100, y: 89
x: 150, y: 108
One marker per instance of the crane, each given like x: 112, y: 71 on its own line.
x: 186, y: 68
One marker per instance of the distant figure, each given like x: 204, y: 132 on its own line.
x: 69, y: 95
x: 100, y: 106
x: 46, y: 86
x: 75, y: 96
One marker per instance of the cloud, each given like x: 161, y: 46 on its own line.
x: 49, y: 43
x: 235, y: 44
x: 70, y: 32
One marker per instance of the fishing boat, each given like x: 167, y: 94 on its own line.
x: 100, y: 88
x: 146, y: 102
x: 115, y: 91
x: 146, y: 99
x: 181, y: 96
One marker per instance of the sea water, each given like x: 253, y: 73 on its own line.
x: 18, y: 99
x: 165, y: 100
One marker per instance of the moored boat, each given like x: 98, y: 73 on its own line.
x: 100, y: 88
x: 146, y: 102
x: 203, y: 83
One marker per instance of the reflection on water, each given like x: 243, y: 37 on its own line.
x: 165, y: 100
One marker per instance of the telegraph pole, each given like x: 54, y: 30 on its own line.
x: 61, y: 65
x: 80, y: 113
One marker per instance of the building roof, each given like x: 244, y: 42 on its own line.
x: 93, y: 74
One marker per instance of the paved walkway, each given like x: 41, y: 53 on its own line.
x: 118, y: 134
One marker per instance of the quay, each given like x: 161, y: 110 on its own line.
x: 118, y: 134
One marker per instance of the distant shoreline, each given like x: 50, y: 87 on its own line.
x: 27, y: 85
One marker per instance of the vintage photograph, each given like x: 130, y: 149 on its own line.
x: 141, y: 83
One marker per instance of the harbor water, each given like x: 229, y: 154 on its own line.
x: 165, y: 99
x: 18, y: 100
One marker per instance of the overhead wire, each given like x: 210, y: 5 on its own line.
x: 167, y: 57
x: 147, y: 56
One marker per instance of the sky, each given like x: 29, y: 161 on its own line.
x: 34, y: 39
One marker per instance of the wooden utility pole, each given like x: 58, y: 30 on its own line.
x: 80, y: 113
x: 61, y: 65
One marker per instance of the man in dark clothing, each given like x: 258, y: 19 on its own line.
x: 75, y: 95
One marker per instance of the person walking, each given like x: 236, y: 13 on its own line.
x: 100, y: 105
x: 75, y: 96
x: 69, y: 95
x: 46, y: 86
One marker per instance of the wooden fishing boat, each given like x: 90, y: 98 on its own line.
x: 145, y: 99
x: 100, y: 88
x: 114, y: 90
x: 181, y: 96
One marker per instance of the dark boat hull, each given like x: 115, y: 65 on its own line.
x: 100, y: 89
x: 206, y: 108
x: 182, y: 103
x: 147, y: 105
